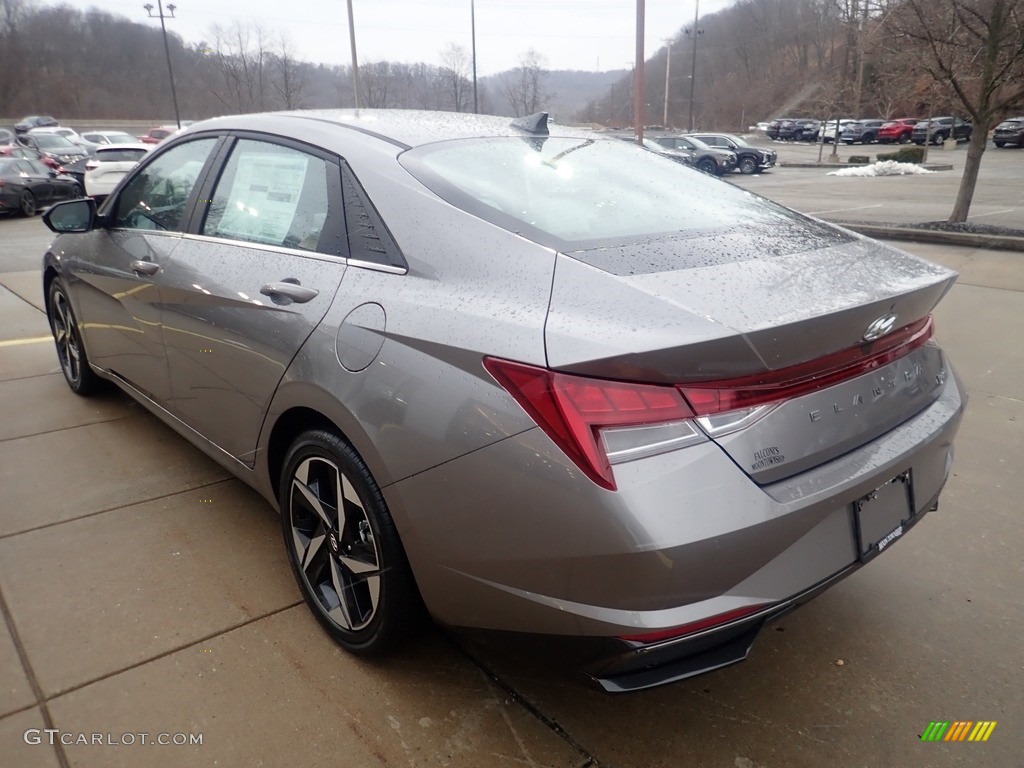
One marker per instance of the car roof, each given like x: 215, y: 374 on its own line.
x: 406, y: 128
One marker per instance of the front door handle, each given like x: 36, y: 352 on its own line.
x: 145, y: 267
x: 290, y: 290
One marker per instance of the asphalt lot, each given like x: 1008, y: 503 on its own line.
x: 998, y: 198
x: 145, y: 591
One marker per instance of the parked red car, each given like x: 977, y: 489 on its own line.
x: 897, y: 131
x: 156, y: 135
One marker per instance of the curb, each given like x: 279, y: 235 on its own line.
x: 937, y: 237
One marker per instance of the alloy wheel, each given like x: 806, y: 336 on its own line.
x: 334, y: 544
x: 68, y: 352
x: 28, y: 203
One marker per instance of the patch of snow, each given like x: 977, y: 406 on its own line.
x: 882, y: 168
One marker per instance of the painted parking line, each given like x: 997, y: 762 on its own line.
x: 990, y: 213
x: 837, y: 210
x: 19, y: 342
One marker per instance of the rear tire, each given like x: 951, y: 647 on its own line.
x: 27, y: 204
x: 707, y: 165
x: 1000, y: 144
x: 904, y: 139
x: 343, y: 546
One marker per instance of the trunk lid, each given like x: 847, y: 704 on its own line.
x: 704, y: 308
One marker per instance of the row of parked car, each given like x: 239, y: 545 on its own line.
x: 902, y: 130
x: 713, y: 153
x: 42, y: 162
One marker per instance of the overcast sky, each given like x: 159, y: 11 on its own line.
x: 595, y: 35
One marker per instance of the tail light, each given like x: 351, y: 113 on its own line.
x: 598, y: 423
x: 748, y: 392
x: 594, y: 421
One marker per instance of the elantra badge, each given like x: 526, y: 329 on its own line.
x: 880, y: 327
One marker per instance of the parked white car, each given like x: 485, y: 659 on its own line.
x: 99, y: 138
x: 834, y: 128
x: 58, y: 130
x: 105, y: 169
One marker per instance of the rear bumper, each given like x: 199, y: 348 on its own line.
x: 523, y: 543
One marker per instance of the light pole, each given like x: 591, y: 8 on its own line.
x: 668, y: 69
x: 694, y: 33
x: 638, y: 76
x: 355, y: 60
x: 167, y: 48
x: 472, y: 23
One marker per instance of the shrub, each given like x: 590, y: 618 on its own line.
x: 904, y: 155
x: 858, y: 160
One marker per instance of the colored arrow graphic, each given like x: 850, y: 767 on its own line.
x: 958, y: 730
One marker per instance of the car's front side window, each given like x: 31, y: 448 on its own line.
x: 156, y: 197
x: 272, y: 195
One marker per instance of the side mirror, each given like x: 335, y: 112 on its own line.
x: 71, y: 216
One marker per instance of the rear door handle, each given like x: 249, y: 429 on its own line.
x: 290, y: 290
x: 145, y: 267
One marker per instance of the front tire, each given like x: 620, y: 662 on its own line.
x: 747, y: 165
x: 1000, y: 144
x: 74, y: 363
x: 343, y: 547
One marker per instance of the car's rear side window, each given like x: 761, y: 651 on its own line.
x: 272, y: 195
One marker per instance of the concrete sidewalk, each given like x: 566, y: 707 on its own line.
x: 143, y: 591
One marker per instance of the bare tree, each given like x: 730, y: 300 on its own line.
x: 289, y: 77
x: 241, y: 54
x: 375, y: 84
x: 13, y: 49
x: 524, y: 85
x: 974, y: 51
x: 454, y: 71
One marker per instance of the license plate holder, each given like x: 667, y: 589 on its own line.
x: 883, y: 515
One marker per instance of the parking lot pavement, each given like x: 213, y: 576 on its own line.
x: 998, y: 199
x: 143, y: 591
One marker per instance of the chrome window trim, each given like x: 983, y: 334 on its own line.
x: 390, y: 269
x: 265, y: 247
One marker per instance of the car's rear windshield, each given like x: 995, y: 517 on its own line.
x: 51, y: 141
x: 116, y: 155
x: 120, y: 138
x: 579, y: 193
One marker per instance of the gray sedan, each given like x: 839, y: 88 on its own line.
x: 523, y: 377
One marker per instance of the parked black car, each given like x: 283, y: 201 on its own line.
x: 680, y: 156
x: 942, y: 128
x: 864, y: 131
x: 708, y: 159
x: 34, y: 121
x: 1010, y: 131
x: 53, y: 146
x: 25, y: 185
x: 749, y: 159
x: 775, y: 125
x: 793, y: 130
